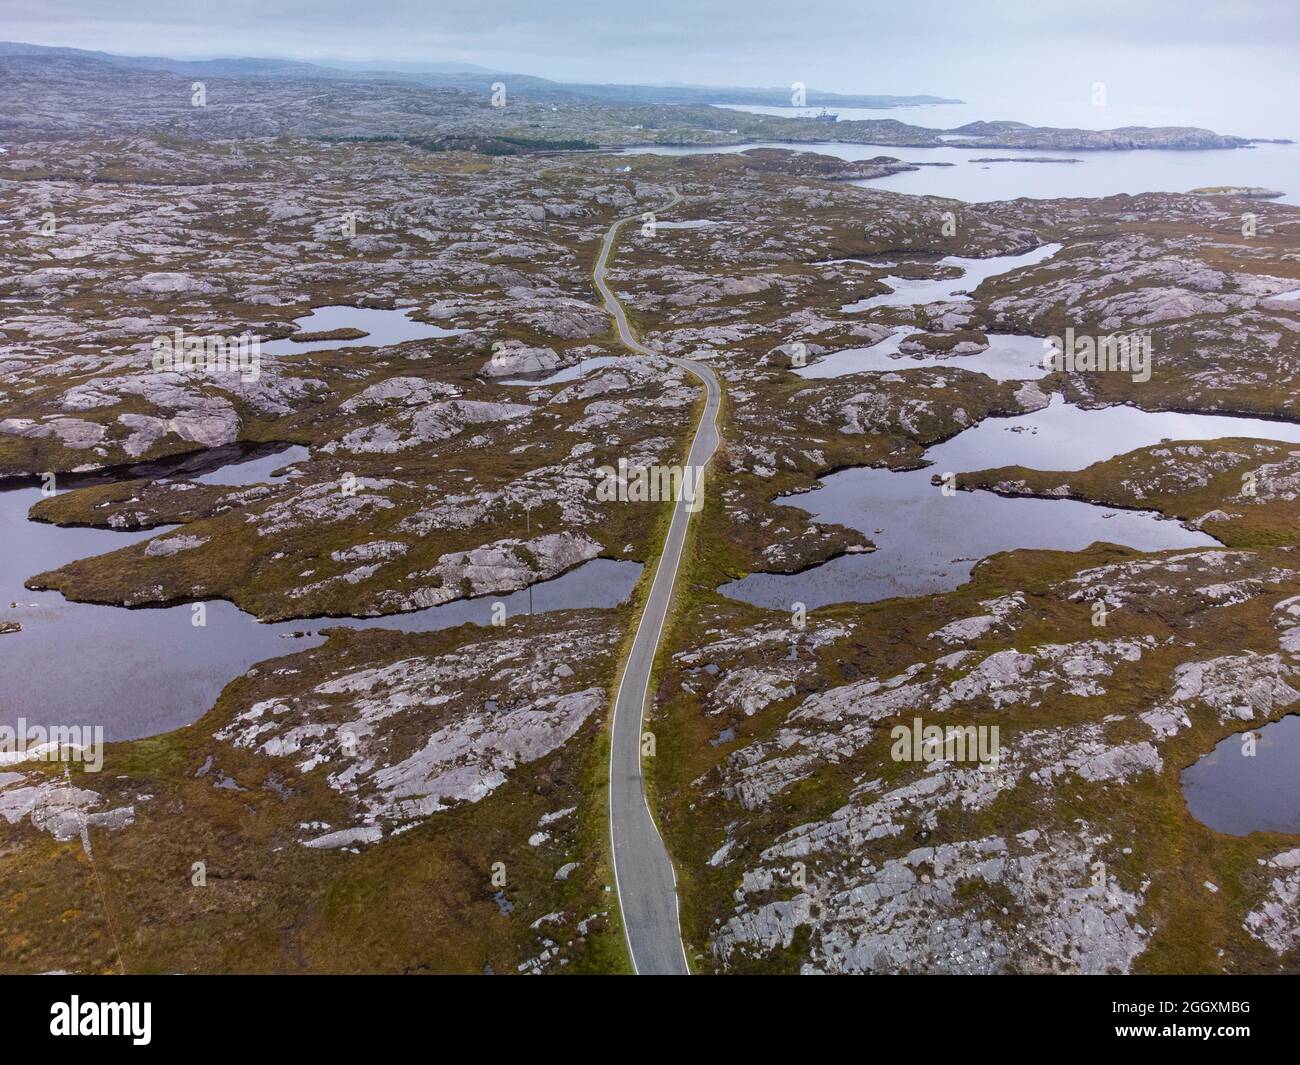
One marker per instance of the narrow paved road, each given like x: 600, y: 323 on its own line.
x: 643, y: 872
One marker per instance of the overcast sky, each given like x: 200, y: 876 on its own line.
x: 1218, y: 63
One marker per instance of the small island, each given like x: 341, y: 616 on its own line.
x: 1023, y: 159
x: 342, y: 333
x: 1250, y: 192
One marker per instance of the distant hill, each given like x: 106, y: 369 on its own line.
x: 469, y: 77
x: 764, y: 97
x: 388, y: 67
x: 235, y: 68
x: 51, y: 92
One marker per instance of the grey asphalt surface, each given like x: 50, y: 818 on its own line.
x: 643, y: 872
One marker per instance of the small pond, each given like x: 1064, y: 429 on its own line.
x: 382, y: 328
x: 1238, y: 793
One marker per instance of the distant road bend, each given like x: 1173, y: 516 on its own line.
x: 643, y: 873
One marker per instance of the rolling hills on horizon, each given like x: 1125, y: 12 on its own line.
x: 469, y: 76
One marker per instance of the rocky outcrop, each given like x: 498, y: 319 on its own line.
x: 57, y: 807
x: 1275, y: 922
x: 409, y: 738
x: 503, y: 566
